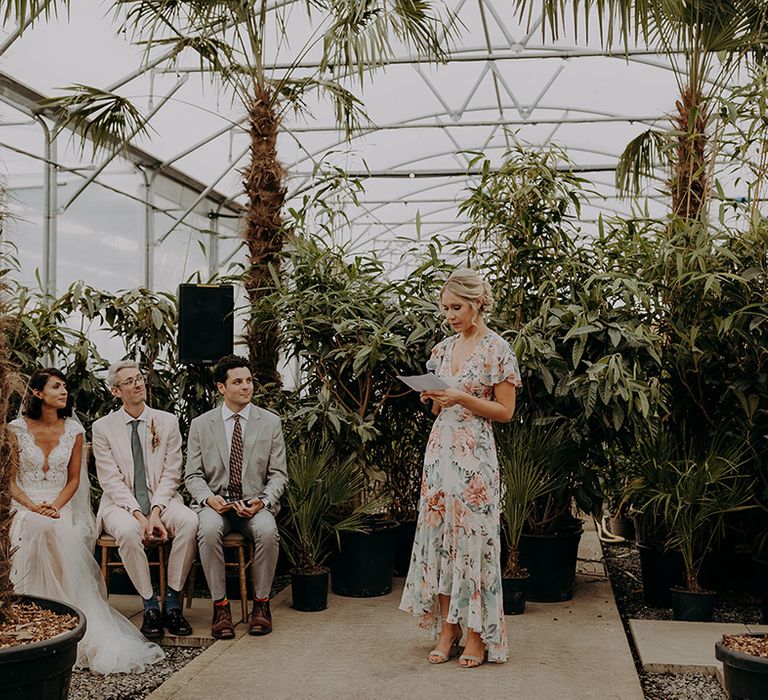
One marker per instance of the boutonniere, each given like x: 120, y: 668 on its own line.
x: 155, y: 436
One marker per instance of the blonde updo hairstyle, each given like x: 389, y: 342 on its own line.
x: 468, y: 286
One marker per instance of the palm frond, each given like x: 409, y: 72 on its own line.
x: 26, y: 12
x: 348, y: 109
x: 532, y: 460
x: 360, y: 33
x: 640, y: 160
x: 617, y: 19
x: 154, y: 17
x: 109, y: 121
x: 320, y: 495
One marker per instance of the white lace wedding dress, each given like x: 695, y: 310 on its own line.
x: 54, y: 557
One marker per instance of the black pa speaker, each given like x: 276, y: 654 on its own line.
x: 206, y: 322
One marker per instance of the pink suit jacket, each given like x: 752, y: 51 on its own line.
x: 114, y: 461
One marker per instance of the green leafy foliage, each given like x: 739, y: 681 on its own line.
x: 690, y: 487
x: 351, y: 332
x: 575, y: 311
x: 533, y: 463
x: 321, y: 496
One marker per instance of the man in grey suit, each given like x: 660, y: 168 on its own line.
x: 236, y: 473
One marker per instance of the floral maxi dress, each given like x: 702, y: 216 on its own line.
x: 456, y: 550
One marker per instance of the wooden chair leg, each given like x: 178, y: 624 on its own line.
x: 104, y: 569
x: 243, y: 584
x: 163, y: 572
x: 191, y: 584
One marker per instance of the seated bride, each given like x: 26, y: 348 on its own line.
x: 54, y: 529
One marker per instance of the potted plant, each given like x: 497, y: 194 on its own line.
x: 661, y: 568
x: 526, y: 455
x: 320, y: 498
x: 705, y: 483
x: 745, y: 665
x: 39, y: 664
x: 614, y: 478
x: 549, y: 541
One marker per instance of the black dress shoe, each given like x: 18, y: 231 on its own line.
x: 176, y: 623
x: 152, y: 626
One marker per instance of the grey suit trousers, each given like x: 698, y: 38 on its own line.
x: 261, y: 529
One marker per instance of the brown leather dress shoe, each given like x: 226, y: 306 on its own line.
x: 222, y: 627
x: 261, y: 618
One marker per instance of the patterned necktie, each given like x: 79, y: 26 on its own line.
x: 236, y: 461
x: 139, y: 473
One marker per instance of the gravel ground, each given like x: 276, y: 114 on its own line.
x: 623, y: 565
x: 137, y: 686
x: 130, y: 686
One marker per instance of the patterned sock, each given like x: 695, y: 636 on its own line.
x: 221, y: 601
x: 172, y: 599
x: 151, y: 603
x: 262, y: 600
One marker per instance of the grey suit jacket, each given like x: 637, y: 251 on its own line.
x: 265, y: 474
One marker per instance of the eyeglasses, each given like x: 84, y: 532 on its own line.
x: 138, y: 380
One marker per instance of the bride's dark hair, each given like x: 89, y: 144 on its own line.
x: 33, y: 406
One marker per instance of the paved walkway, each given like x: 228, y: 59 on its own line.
x: 365, y: 649
x: 669, y: 646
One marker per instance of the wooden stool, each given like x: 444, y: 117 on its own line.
x: 107, y: 543
x: 234, y: 540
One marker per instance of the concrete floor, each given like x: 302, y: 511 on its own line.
x: 669, y: 646
x: 365, y: 649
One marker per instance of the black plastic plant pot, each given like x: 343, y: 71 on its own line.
x: 515, y: 592
x: 362, y: 567
x: 745, y: 677
x: 660, y: 571
x: 622, y: 526
x: 41, y: 670
x: 406, y: 533
x: 692, y: 606
x: 551, y: 564
x: 760, y: 572
x: 310, y: 591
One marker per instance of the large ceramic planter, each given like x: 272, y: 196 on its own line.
x: 551, y: 564
x: 309, y: 591
x: 41, y: 670
x: 692, y: 606
x: 362, y: 566
x: 745, y: 677
x: 660, y: 571
x: 515, y: 592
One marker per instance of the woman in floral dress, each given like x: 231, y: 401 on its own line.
x: 454, y: 580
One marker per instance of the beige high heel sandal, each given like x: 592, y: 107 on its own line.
x: 443, y: 657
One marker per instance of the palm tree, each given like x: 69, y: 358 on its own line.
x: 705, y: 41
x: 230, y: 38
x: 8, y: 449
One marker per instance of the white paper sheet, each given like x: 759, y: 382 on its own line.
x: 424, y: 382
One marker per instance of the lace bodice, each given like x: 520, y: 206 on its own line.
x: 32, y: 477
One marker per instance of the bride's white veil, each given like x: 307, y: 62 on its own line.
x: 82, y: 512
